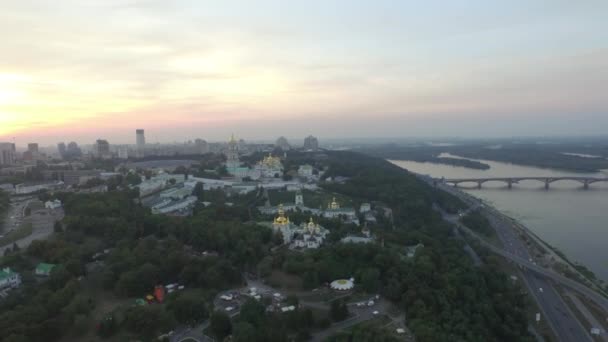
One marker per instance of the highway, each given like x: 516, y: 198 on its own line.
x: 561, y: 319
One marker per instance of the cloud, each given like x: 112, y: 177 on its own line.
x: 108, y: 64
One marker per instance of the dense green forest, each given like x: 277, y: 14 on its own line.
x: 444, y: 296
x: 535, y: 155
x: 478, y: 223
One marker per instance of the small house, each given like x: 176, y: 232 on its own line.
x: 44, y: 269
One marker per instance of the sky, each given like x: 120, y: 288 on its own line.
x: 84, y: 69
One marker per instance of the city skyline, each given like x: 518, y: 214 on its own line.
x: 331, y: 69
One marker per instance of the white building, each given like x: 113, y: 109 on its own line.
x: 177, y: 193
x: 342, y: 284
x: 305, y: 171
x: 365, y: 207
x: 7, y: 187
x: 410, y: 251
x: 299, y: 199
x: 54, y: 204
x: 159, y: 182
x: 356, y: 239
x: 244, y: 188
x: 310, y: 235
x: 21, y: 189
x: 9, y: 279
x: 8, y: 153
x: 334, y: 210
x: 173, y: 206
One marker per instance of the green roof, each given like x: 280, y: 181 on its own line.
x: 44, y: 267
x: 5, y: 273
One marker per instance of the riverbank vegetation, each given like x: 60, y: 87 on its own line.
x: 478, y: 223
x: 577, y: 156
x: 533, y: 155
x: 422, y: 154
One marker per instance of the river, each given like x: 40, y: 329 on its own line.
x: 566, y: 216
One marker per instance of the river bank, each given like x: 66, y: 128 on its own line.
x: 567, y: 218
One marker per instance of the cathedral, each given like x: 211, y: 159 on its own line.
x: 269, y: 167
x: 307, y: 235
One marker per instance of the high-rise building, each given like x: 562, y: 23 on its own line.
x: 123, y: 152
x: 201, y: 146
x: 102, y: 148
x: 282, y: 143
x: 32, y: 152
x: 73, y: 151
x: 32, y: 147
x: 140, y: 140
x: 232, y: 154
x: 311, y: 143
x: 61, y: 149
x: 8, y: 155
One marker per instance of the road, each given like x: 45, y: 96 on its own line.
x: 193, y: 333
x: 14, y: 215
x: 360, y: 314
x: 588, y: 315
x: 42, y: 221
x: 560, y: 318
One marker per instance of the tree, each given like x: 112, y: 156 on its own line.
x: 16, y: 338
x: 188, y: 308
x: 198, y: 191
x: 107, y: 327
x: 252, y: 312
x: 58, y: 227
x: 370, y: 279
x: 133, y: 179
x: 338, y: 310
x: 148, y: 321
x: 244, y: 332
x: 81, y: 324
x: 220, y: 325
x: 292, y: 300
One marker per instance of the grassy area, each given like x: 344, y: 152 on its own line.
x: 23, y: 231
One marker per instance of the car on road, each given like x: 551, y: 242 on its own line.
x: 540, y: 289
x: 375, y: 312
x: 229, y: 308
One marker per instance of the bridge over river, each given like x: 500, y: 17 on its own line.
x: 585, y: 181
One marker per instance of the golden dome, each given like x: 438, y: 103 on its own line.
x: 281, y: 219
x: 334, y: 204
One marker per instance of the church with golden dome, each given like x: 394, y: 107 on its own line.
x: 335, y: 210
x: 306, y: 235
x: 270, y: 167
